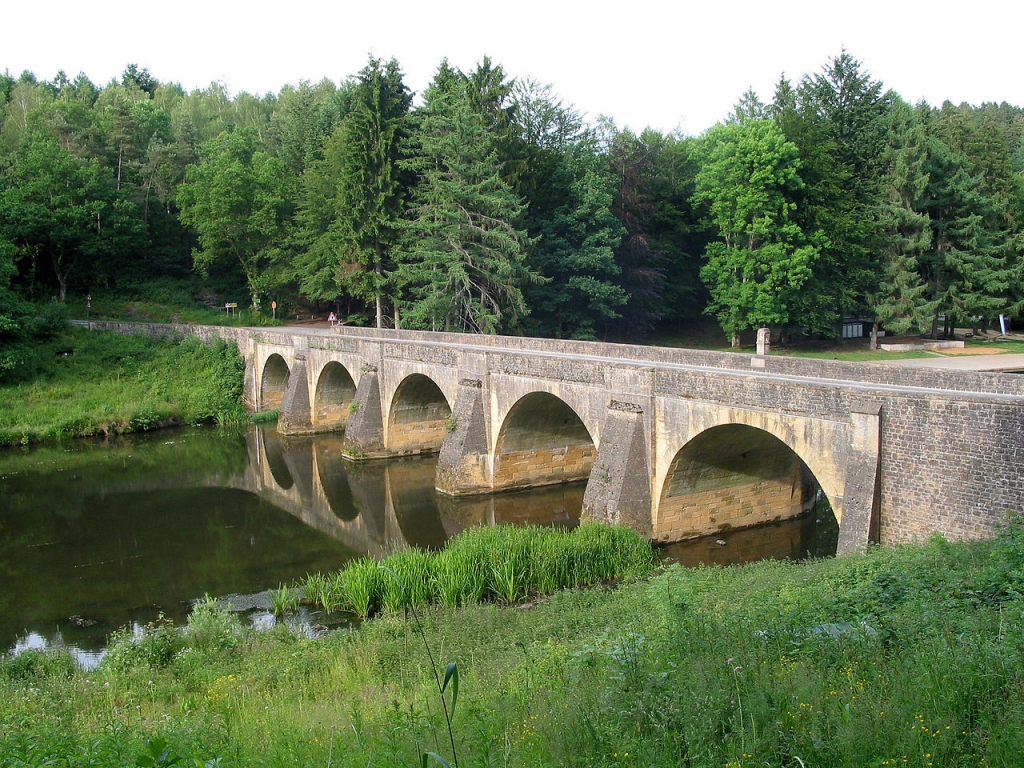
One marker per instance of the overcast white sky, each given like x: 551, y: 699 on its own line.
x: 662, y: 64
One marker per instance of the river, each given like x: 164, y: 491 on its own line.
x: 97, y: 535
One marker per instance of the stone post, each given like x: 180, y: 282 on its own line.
x: 764, y: 341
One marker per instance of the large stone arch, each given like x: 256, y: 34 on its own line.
x: 273, y: 382
x: 419, y: 416
x: 335, y: 391
x: 732, y: 475
x: 542, y: 441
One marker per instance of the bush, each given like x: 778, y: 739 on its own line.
x: 37, y: 665
x: 154, y: 647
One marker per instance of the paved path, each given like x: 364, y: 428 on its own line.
x: 1013, y: 362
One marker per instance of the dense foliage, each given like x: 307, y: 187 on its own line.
x: 491, y: 206
x: 909, y: 656
x: 76, y: 383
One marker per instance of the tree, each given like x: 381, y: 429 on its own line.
x: 678, y: 237
x: 462, y: 265
x: 239, y: 200
x: 905, y: 229
x: 576, y: 249
x: 305, y: 117
x: 631, y: 163
x: 371, y: 191
x: 966, y: 271
x: 837, y: 120
x: 15, y: 312
x: 762, y: 258
x: 55, y: 209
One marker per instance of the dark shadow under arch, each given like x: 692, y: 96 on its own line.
x: 273, y: 383
x: 419, y: 417
x: 734, y: 476
x: 335, y: 390
x: 542, y: 441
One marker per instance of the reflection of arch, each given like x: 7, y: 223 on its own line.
x: 334, y: 480
x: 411, y: 488
x: 275, y: 460
x: 732, y: 476
x: 542, y: 441
x: 335, y: 390
x: 419, y: 416
x: 274, y: 382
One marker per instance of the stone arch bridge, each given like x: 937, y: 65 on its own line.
x: 676, y: 443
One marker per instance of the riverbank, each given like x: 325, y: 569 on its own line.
x: 89, y: 384
x: 904, y: 656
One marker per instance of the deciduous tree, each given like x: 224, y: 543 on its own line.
x: 761, y: 259
x: 239, y: 200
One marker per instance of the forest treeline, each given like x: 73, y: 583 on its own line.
x: 490, y: 205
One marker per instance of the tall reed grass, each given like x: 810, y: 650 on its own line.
x: 502, y: 564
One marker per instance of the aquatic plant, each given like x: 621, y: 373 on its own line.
x: 504, y: 563
x: 283, y: 599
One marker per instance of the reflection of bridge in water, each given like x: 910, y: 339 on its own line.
x: 373, y: 507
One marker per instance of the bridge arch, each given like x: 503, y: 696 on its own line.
x: 542, y: 441
x: 273, y: 382
x: 335, y: 391
x: 733, y: 476
x: 419, y: 417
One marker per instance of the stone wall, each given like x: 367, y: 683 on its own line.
x: 417, y: 436
x: 543, y: 466
x: 738, y: 505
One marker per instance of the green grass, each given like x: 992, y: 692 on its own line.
x: 96, y: 383
x: 171, y: 301
x: 904, y: 656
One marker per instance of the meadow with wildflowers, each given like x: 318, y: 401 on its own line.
x: 904, y: 656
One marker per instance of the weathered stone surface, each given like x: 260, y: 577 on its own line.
x: 365, y: 428
x: 619, y: 490
x: 462, y: 466
x: 860, y: 502
x: 294, y: 417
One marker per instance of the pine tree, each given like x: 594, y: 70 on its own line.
x: 462, y: 265
x: 967, y: 272
x: 371, y: 191
x: 905, y: 229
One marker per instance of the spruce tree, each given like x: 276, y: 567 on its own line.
x: 371, y: 191
x: 905, y: 229
x: 462, y: 265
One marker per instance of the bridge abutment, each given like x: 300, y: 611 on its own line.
x: 364, y: 431
x: 464, y: 466
x: 619, y: 490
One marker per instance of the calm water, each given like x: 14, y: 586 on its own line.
x: 98, y: 535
